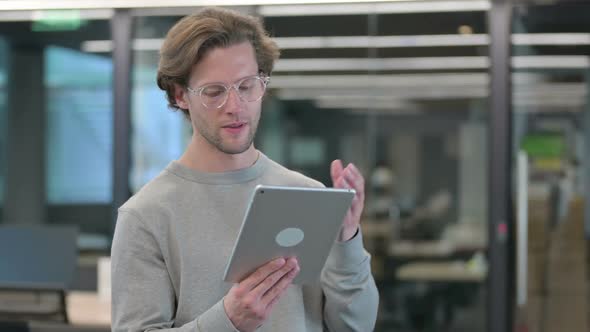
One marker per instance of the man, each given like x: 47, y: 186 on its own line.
x: 174, y: 237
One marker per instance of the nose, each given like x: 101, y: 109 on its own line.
x: 234, y: 103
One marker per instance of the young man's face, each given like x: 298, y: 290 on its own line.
x: 230, y: 128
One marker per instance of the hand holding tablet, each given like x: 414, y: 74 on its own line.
x: 289, y: 222
x: 249, y: 302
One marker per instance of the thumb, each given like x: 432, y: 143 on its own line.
x: 336, y: 169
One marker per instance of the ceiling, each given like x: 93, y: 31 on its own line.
x: 425, y: 58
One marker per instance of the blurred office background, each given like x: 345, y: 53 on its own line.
x: 470, y: 121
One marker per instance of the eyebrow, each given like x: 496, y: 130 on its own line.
x: 223, y: 83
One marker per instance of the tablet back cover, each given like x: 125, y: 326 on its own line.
x: 289, y: 221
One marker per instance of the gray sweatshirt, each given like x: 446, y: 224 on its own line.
x: 172, y: 242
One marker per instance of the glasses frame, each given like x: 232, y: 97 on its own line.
x: 199, y: 91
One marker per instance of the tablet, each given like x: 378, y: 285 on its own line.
x: 289, y: 221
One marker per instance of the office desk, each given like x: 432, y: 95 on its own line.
x: 85, y: 308
x: 439, y: 272
x: 373, y: 228
x: 467, y: 236
x: 460, y: 237
x: 421, y: 249
x: 445, y: 286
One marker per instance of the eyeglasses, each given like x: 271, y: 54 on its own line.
x: 250, y: 89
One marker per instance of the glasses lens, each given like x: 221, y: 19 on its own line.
x: 251, y: 89
x: 213, y: 95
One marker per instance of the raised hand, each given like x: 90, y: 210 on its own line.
x: 351, y: 178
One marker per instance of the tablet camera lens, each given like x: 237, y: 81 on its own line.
x: 262, y: 191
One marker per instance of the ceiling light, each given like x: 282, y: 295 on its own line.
x: 376, y: 64
x: 375, y: 8
x: 381, y: 41
x: 96, y: 46
x: 364, y: 106
x: 549, y: 102
x: 269, y: 7
x: 153, y: 44
x: 432, y: 93
x: 551, y: 61
x: 551, y: 38
x: 105, y: 46
x: 74, y: 4
x: 147, y: 44
x: 428, y: 63
x: 35, y: 15
x: 369, y: 81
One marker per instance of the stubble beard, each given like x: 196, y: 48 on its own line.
x: 214, y: 137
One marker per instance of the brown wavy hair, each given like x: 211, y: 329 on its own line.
x: 191, y: 37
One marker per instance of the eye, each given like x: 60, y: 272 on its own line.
x: 213, y: 91
x: 247, y: 85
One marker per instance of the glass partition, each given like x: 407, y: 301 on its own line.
x: 3, y: 118
x: 61, y: 102
x: 551, y: 67
x: 79, y: 126
x: 157, y: 135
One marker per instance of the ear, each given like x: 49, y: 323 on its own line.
x: 180, y: 96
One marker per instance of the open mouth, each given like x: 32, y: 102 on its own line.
x: 235, y: 127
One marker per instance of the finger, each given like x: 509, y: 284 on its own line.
x: 341, y: 183
x: 352, y: 173
x: 356, y: 209
x: 357, y: 200
x: 273, y: 278
x: 262, y: 273
x: 272, y: 295
x: 276, y: 299
x: 336, y: 169
x: 350, y: 181
x: 279, y: 294
x: 354, y: 169
x: 337, y: 181
x: 354, y: 181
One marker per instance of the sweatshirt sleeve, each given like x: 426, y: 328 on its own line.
x: 143, y: 297
x: 351, y: 296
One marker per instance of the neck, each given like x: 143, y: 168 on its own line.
x: 204, y: 157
